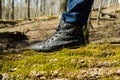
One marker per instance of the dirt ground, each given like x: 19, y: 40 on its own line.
x: 32, y: 31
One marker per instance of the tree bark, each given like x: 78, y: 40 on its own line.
x: 109, y: 4
x: 28, y: 9
x: 36, y: 13
x: 99, y: 12
x: 0, y: 9
x: 63, y: 5
x: 116, y: 4
x: 12, y: 13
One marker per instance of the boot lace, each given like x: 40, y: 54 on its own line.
x: 52, y: 37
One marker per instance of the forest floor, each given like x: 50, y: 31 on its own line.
x: 98, y: 60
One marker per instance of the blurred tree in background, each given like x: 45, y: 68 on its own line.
x: 22, y: 9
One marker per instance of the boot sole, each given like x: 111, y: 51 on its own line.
x: 60, y: 48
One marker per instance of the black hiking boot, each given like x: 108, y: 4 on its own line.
x: 66, y: 36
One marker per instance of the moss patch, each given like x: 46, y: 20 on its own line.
x: 66, y: 61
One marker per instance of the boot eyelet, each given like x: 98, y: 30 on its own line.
x: 60, y: 33
x: 52, y: 39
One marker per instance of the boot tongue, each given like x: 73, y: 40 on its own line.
x: 61, y: 25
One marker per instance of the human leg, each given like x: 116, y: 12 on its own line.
x: 78, y: 11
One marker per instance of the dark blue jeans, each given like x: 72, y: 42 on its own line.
x: 78, y: 11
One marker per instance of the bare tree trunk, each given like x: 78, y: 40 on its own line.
x: 3, y: 9
x: 28, y: 9
x: 109, y: 4
x: 7, y: 16
x: 42, y: 7
x: 0, y: 9
x: 63, y: 5
x: 104, y: 5
x: 36, y: 13
x: 116, y: 4
x: 12, y: 13
x: 99, y: 12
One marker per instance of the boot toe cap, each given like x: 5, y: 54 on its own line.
x: 36, y: 47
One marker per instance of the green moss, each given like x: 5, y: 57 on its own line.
x: 66, y: 60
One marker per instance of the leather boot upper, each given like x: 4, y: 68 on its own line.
x: 67, y: 35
